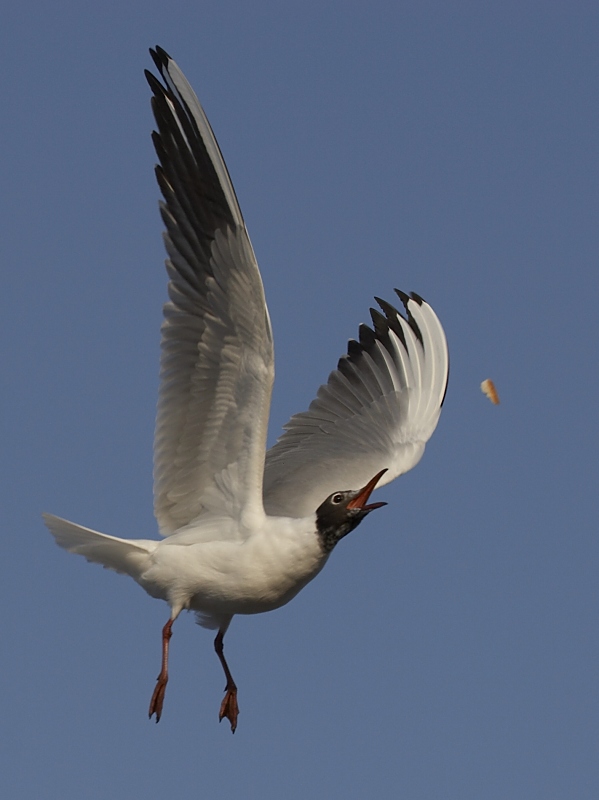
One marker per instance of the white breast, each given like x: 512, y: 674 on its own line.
x: 236, y: 575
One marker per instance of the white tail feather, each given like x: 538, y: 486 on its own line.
x: 130, y: 556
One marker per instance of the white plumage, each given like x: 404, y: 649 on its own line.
x: 245, y: 531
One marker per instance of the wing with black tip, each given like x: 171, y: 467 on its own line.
x: 377, y: 411
x: 216, y: 365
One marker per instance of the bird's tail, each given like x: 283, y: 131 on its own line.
x: 130, y: 556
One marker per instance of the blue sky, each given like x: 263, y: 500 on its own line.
x: 450, y: 647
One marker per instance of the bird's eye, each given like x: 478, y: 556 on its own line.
x: 337, y: 498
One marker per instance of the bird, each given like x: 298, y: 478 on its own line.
x: 244, y: 529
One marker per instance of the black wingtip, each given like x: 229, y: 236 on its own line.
x: 366, y: 336
x: 393, y: 318
x: 163, y: 54
x: 353, y: 348
x: 153, y: 82
x: 160, y: 57
x: 405, y: 299
x: 382, y: 303
x: 380, y: 324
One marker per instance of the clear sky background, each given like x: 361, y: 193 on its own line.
x: 450, y: 648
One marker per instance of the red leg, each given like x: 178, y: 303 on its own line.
x: 158, y: 696
x: 228, y: 707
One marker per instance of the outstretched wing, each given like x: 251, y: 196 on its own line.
x: 377, y: 411
x: 216, y: 365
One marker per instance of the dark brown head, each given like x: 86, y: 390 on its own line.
x: 341, y: 512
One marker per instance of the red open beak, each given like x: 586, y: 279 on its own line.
x: 360, y: 500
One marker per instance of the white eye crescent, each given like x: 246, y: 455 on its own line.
x: 337, y: 498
